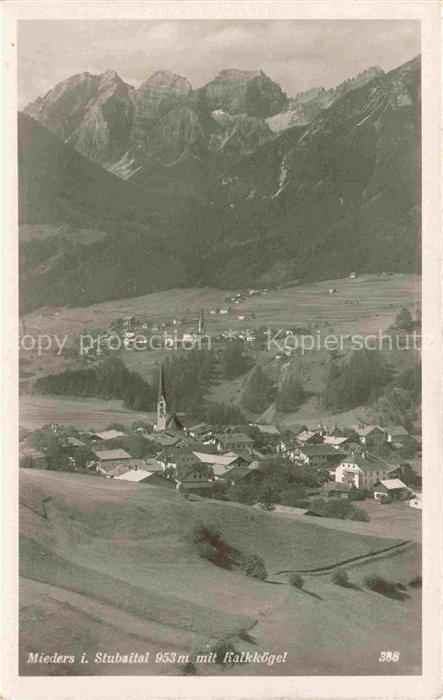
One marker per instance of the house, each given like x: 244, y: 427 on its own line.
x: 152, y: 465
x: 308, y: 437
x: 335, y: 440
x: 199, y: 431
x: 109, y: 460
x: 128, y: 321
x: 332, y: 290
x: 139, y: 476
x: 109, y: 435
x: 32, y: 458
x: 226, y: 442
x: 241, y: 473
x: 194, y: 478
x: 388, y: 490
x: 407, y: 474
x: 362, y: 470
x: 318, y: 455
x: 220, y: 463
x: 352, y: 275
x: 164, y: 439
x: 370, y: 436
x: 176, y: 457
x: 267, y: 430
x: 396, y: 434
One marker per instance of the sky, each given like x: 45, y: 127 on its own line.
x: 297, y: 54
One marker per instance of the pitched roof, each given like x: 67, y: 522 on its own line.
x: 305, y: 435
x: 223, y: 459
x: 199, y: 428
x: 105, y: 455
x: 368, y: 464
x: 235, y: 438
x: 267, y: 429
x: 110, y: 434
x: 334, y: 440
x: 391, y: 484
x: 173, y: 422
x: 321, y: 451
x: 152, y: 464
x: 165, y: 440
x: 366, y: 430
x: 185, y: 472
x: 298, y: 428
x: 75, y: 442
x: 396, y: 430
x: 237, y: 472
x: 135, y: 475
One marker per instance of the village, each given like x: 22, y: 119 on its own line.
x: 256, y: 464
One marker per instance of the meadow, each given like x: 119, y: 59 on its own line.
x: 363, y: 305
x: 108, y: 566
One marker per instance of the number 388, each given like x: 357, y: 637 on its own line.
x: 389, y: 657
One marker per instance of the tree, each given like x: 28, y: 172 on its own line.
x: 254, y: 566
x: 375, y: 583
x: 357, y: 382
x: 340, y: 577
x: 27, y: 462
x: 259, y: 391
x: 223, y: 414
x: 403, y: 320
x: 291, y: 395
x: 233, y: 361
x: 296, y: 580
x: 137, y: 446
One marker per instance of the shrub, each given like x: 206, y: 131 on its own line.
x: 357, y: 495
x: 205, y: 549
x: 221, y: 649
x: 360, y: 514
x: 210, y: 533
x: 376, y: 583
x: 403, y: 320
x: 189, y: 669
x: 416, y: 582
x: 340, y: 577
x: 27, y: 462
x: 254, y: 566
x: 296, y: 580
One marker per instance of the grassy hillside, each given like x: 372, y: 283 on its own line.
x: 108, y: 566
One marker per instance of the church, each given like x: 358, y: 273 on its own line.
x: 166, y: 421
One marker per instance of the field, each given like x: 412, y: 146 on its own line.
x: 36, y: 411
x: 364, y: 305
x: 107, y: 566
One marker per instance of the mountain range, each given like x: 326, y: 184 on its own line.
x: 227, y: 185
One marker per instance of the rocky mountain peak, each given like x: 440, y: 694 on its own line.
x: 110, y: 77
x: 234, y: 74
x: 166, y: 80
x: 245, y: 92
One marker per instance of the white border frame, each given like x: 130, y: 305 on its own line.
x: 429, y: 684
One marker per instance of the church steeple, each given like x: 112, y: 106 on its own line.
x: 201, y: 324
x: 161, y: 403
